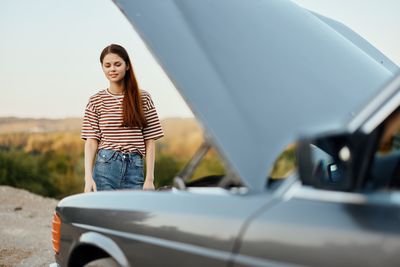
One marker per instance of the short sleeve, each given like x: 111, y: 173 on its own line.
x: 90, y: 126
x: 153, y: 130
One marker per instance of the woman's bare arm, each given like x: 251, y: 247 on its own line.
x: 91, y: 146
x: 150, y: 157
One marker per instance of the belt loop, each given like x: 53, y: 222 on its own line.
x: 113, y: 154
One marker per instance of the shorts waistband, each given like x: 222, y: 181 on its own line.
x: 115, y: 153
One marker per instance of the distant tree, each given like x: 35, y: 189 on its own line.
x: 22, y: 170
x: 166, y: 167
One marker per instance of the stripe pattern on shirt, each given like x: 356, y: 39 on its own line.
x: 103, y: 120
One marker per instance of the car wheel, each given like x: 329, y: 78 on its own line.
x: 105, y: 262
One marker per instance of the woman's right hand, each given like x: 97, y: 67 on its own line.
x: 90, y: 185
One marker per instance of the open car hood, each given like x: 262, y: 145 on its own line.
x: 257, y: 73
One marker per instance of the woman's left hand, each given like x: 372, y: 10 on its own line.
x: 148, y: 184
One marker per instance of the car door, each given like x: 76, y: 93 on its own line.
x: 323, y: 228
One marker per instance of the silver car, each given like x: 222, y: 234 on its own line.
x: 259, y: 75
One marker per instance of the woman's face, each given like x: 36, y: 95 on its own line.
x: 114, y: 67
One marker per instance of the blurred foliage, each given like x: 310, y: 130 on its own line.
x: 166, y: 167
x: 285, y: 163
x: 210, y: 165
x: 51, y: 163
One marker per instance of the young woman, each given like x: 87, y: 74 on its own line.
x: 120, y: 126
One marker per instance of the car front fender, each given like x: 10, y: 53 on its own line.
x: 106, y: 244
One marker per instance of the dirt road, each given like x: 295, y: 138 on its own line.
x: 25, y: 228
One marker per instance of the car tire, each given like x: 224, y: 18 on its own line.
x: 105, y: 262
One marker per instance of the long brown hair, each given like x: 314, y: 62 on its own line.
x: 133, y: 115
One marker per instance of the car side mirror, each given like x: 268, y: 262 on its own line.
x: 331, y: 161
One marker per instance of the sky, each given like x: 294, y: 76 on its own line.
x: 50, y: 51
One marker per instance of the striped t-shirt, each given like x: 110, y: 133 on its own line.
x: 103, y: 120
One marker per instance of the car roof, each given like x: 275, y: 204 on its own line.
x: 257, y: 74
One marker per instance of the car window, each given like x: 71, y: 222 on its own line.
x: 285, y: 165
x: 385, y: 167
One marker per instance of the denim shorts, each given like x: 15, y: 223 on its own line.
x: 114, y: 170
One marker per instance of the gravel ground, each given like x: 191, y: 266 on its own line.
x: 25, y: 228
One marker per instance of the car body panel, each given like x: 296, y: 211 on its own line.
x: 360, y: 42
x: 200, y: 224
x: 379, y: 108
x: 257, y: 63
x: 323, y: 228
